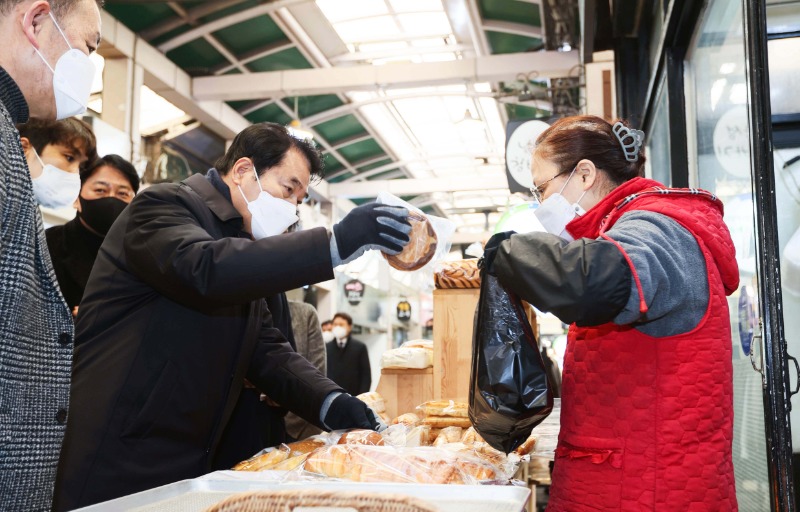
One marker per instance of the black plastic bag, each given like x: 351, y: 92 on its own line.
x: 510, y: 392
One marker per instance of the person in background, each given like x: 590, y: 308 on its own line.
x: 107, y: 186
x: 45, y: 73
x: 174, y: 321
x: 641, y: 272
x: 308, y: 340
x: 348, y: 359
x: 327, y: 331
x: 56, y: 151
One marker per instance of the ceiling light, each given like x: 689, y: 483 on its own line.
x: 469, y: 118
x: 297, y: 130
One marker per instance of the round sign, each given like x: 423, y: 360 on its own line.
x: 732, y: 142
x: 354, y: 291
x: 518, y: 151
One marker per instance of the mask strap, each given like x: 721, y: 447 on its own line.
x: 259, y: 186
x: 60, y: 31
x: 578, y: 202
x: 565, y: 183
x: 44, y: 60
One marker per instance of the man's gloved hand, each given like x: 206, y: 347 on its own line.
x: 370, y: 226
x: 490, y: 250
x: 348, y: 412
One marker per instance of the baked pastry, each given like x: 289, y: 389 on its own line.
x: 420, y: 249
x: 291, y: 463
x: 358, y: 436
x: 457, y: 274
x: 471, y: 436
x: 332, y: 461
x: 526, y: 447
x: 446, y: 421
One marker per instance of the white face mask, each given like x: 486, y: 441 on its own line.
x: 55, y: 188
x: 72, y: 79
x: 555, y: 212
x: 339, y: 332
x: 270, y: 215
x: 327, y: 336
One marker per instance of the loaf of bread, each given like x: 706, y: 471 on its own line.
x: 457, y: 274
x: 291, y: 463
x: 374, y: 400
x: 526, y: 447
x: 359, y: 436
x: 305, y: 446
x: 421, y: 247
x: 471, y: 436
x: 448, y: 435
x: 444, y: 408
x: 331, y: 461
x: 264, y: 461
x: 410, y: 419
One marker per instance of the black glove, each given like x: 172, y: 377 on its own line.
x: 370, y: 226
x: 348, y: 412
x: 490, y: 250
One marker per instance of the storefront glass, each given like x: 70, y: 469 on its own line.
x: 658, y: 163
x: 719, y: 154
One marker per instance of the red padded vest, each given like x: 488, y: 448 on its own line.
x: 647, y: 423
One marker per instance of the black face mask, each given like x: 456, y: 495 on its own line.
x: 101, y: 213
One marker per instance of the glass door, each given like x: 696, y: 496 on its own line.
x: 720, y: 107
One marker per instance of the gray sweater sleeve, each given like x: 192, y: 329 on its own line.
x: 671, y: 270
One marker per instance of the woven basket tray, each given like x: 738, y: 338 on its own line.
x: 286, y: 501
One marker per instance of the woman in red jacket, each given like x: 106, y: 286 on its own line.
x: 642, y: 273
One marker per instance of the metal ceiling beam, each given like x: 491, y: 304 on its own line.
x: 402, y: 52
x: 258, y: 53
x: 364, y: 189
x: 309, y: 82
x: 194, y: 14
x: 168, y: 80
x: 508, y: 27
x: 225, y: 22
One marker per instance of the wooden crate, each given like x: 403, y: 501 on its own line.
x: 404, y: 389
x: 453, y: 318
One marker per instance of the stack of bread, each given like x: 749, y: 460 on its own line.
x: 440, y: 414
x: 411, y: 354
x: 457, y: 274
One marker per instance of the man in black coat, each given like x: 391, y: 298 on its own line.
x: 348, y: 359
x: 174, y: 320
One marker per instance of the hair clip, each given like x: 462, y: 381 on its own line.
x: 631, y: 140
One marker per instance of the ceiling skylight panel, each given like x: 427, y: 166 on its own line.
x: 425, y: 23
x: 365, y: 30
x: 339, y: 10
x: 416, y: 5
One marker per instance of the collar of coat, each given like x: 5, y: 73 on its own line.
x: 12, y: 98
x: 220, y: 205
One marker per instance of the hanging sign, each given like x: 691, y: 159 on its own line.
x: 404, y: 311
x: 520, y: 136
x: 354, y: 291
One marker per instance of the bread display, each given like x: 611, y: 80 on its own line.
x: 420, y: 249
x: 385, y: 464
x: 440, y: 422
x: 305, y: 446
x: 457, y: 274
x: 448, y: 435
x: 264, y: 461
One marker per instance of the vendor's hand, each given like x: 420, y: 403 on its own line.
x: 348, y: 412
x: 490, y: 250
x: 370, y: 226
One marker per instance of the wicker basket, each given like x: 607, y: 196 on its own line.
x: 286, y: 501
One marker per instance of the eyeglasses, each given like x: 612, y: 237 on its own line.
x: 538, y: 191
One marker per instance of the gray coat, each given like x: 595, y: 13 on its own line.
x: 308, y: 339
x: 35, y: 330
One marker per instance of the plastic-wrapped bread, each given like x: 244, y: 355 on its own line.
x: 444, y: 408
x: 362, y: 436
x: 408, y: 418
x: 448, y: 435
x: 457, y: 274
x: 407, y: 357
x: 374, y: 400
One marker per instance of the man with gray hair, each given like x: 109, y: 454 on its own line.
x: 45, y: 73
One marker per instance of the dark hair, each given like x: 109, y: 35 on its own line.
x: 267, y: 144
x: 60, y: 8
x: 326, y: 322
x: 572, y: 139
x: 70, y: 132
x: 118, y: 163
x: 344, y: 316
